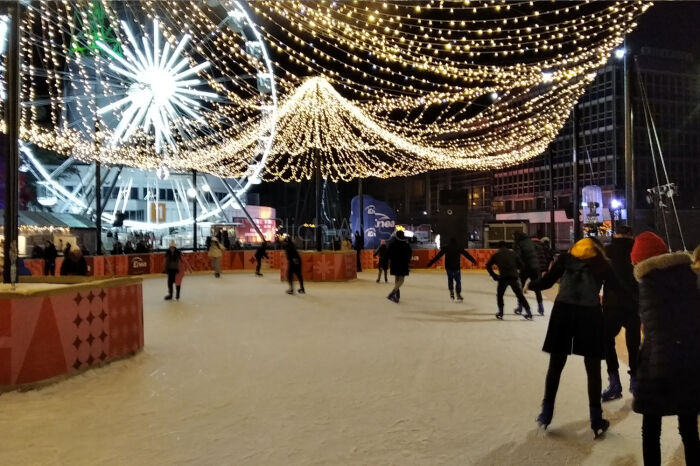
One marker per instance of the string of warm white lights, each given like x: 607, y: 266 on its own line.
x: 399, y: 87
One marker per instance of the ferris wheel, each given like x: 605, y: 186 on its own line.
x: 153, y: 91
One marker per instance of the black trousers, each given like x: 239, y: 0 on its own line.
x: 359, y: 261
x: 557, y: 361
x: 514, y: 284
x: 171, y: 280
x: 295, y: 269
x: 257, y: 266
x: 49, y: 267
x: 533, y: 275
x: 613, y: 321
x: 651, y: 438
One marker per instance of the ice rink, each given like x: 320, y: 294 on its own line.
x: 239, y: 373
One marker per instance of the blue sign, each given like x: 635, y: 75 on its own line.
x: 379, y: 220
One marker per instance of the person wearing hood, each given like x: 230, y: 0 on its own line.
x: 382, y: 253
x: 216, y: 250
x: 620, y: 311
x: 399, y: 253
x: 173, y: 256
x: 74, y: 263
x: 525, y: 248
x: 576, y: 324
x: 453, y: 267
x: 668, y: 374
x: 259, y: 254
x: 293, y: 265
x: 508, y: 264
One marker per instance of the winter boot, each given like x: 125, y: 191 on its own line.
x: 598, y: 425
x: 459, y: 297
x: 499, y: 314
x: 614, y: 389
x: 518, y: 310
x: 540, y: 309
x: 633, y: 384
x: 452, y: 295
x: 177, y: 293
x: 545, y: 417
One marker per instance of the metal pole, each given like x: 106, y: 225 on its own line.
x: 629, y: 153
x: 362, y: 206
x: 111, y: 188
x: 317, y: 171
x: 245, y: 211
x: 194, y: 212
x: 552, y: 224
x: 574, y: 174
x: 98, y: 206
x: 10, y: 143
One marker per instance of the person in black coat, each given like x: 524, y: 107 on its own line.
x: 620, y: 311
x: 400, y: 254
x: 525, y: 248
x: 383, y: 262
x: 576, y: 324
x: 50, y: 254
x: 508, y: 264
x: 74, y: 263
x: 293, y: 265
x: 259, y: 254
x: 453, y: 268
x: 173, y: 256
x: 359, y: 246
x: 668, y: 375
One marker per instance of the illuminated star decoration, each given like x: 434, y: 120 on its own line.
x: 160, y: 89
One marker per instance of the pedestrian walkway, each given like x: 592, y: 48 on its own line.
x: 239, y: 373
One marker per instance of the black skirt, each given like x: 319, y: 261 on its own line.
x: 575, y: 330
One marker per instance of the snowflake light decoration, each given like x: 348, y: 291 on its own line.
x: 160, y: 93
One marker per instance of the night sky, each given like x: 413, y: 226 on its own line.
x: 670, y: 24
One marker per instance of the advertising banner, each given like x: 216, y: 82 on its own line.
x: 379, y: 220
x: 139, y: 264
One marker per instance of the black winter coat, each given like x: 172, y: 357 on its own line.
x: 400, y: 254
x: 74, y: 265
x: 172, y: 260
x: 668, y: 373
x: 623, y: 297
x: 383, y: 253
x: 545, y: 255
x: 525, y: 249
x: 452, y: 259
x: 507, y: 262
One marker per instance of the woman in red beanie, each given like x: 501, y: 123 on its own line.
x: 668, y: 374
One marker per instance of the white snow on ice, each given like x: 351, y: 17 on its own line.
x: 239, y: 373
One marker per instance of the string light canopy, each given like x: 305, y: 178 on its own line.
x: 396, y: 88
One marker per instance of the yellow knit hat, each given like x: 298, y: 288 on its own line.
x: 584, y: 249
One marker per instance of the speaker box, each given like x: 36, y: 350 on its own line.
x: 452, y: 221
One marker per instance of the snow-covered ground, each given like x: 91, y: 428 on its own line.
x: 240, y: 373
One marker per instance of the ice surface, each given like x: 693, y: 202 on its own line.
x: 239, y: 373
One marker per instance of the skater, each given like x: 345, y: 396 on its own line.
x: 453, y: 267
x: 618, y: 312
x: 668, y: 379
x: 359, y: 246
x: 293, y: 266
x: 383, y: 262
x: 545, y: 255
x: 216, y: 250
x: 259, y: 254
x: 74, y: 263
x: 183, y: 266
x: 507, y: 262
x: 524, y: 247
x: 173, y: 256
x: 399, y: 253
x: 576, y: 324
x: 50, y: 254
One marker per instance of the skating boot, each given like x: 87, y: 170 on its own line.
x: 290, y: 291
x: 614, y: 389
x: 177, y: 293
x: 398, y: 295
x: 452, y: 295
x: 499, y: 314
x: 518, y: 310
x: 168, y: 297
x: 392, y: 297
x: 545, y: 416
x: 258, y: 274
x: 633, y: 384
x: 598, y: 425
x: 540, y: 309
x: 459, y: 298
x: 377, y: 280
x: 301, y: 291
x: 527, y: 315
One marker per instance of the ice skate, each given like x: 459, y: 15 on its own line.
x: 598, y: 425
x: 527, y: 315
x: 168, y: 297
x: 393, y: 297
x: 633, y: 384
x: 540, y: 309
x: 290, y: 291
x: 459, y: 297
x: 545, y: 416
x: 499, y: 315
x: 614, y: 388
x: 301, y: 291
x: 452, y: 296
x: 258, y: 274
x: 518, y: 310
x: 377, y: 280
